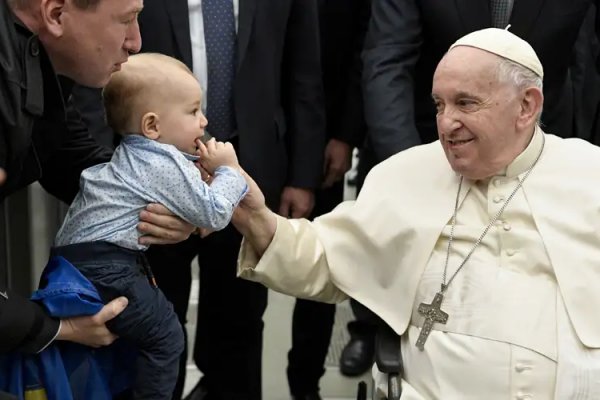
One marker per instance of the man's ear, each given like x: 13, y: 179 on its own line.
x: 531, y: 107
x: 150, y: 126
x: 51, y: 13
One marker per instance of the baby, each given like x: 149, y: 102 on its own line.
x: 154, y: 102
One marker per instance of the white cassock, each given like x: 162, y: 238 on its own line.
x: 524, y: 312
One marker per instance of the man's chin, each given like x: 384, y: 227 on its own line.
x: 96, y: 82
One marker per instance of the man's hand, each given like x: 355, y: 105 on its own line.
x: 253, y: 202
x: 2, y: 176
x: 161, y: 226
x: 91, y: 330
x: 253, y: 218
x: 296, y: 202
x: 338, y: 161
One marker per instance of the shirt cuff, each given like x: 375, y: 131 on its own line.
x: 232, y: 178
x: 44, y: 332
x: 249, y: 260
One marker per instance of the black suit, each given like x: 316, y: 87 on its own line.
x: 343, y: 25
x: 586, y: 81
x: 278, y: 100
x: 407, y: 39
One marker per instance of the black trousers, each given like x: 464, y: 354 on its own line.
x: 228, y: 342
x: 366, y: 322
x: 312, y: 325
x: 312, y: 321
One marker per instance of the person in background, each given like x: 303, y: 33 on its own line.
x: 343, y: 24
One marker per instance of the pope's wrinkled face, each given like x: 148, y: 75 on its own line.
x: 476, y: 113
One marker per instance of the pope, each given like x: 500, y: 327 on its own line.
x: 483, y: 247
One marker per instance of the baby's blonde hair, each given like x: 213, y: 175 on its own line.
x: 139, y: 82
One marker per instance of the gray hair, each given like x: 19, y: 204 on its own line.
x: 519, y: 76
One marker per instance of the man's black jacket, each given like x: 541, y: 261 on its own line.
x: 37, y: 143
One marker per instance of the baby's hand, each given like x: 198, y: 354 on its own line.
x: 215, y: 154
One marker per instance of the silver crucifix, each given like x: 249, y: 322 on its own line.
x: 432, y: 313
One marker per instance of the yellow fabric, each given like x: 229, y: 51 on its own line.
x: 377, y: 248
x: 36, y: 394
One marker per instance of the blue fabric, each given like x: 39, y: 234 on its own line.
x: 66, y: 292
x: 220, y: 38
x: 68, y: 371
x: 143, y: 171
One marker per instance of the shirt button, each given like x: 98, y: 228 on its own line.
x: 506, y: 226
x: 511, y: 252
x: 498, y: 182
x: 498, y: 199
x: 34, y: 47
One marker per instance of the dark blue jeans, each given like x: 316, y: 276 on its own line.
x: 148, y: 321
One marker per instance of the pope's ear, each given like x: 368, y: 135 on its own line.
x: 531, y: 107
x: 151, y: 126
x: 51, y: 14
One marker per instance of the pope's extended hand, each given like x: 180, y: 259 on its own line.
x: 253, y: 202
x: 253, y: 218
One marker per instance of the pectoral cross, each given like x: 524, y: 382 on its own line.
x: 432, y: 313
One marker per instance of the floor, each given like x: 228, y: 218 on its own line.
x: 334, y: 386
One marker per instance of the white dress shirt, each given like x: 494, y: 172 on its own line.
x: 199, y: 46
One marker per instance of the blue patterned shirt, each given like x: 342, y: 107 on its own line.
x: 143, y: 171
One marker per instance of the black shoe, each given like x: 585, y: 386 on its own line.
x: 358, y: 356
x: 198, y: 393
x: 308, y: 396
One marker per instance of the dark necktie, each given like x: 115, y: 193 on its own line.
x: 500, y: 10
x: 220, y: 38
